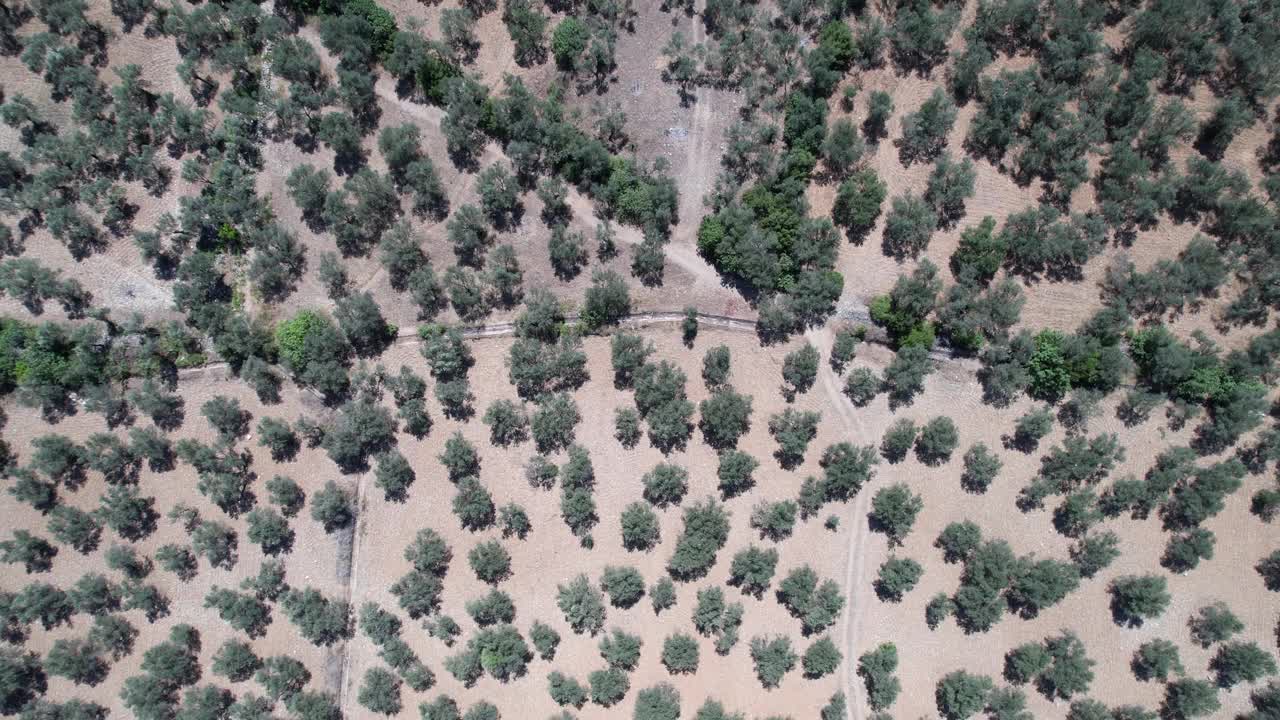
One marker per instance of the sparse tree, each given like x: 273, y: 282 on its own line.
x: 1135, y: 598
x: 799, y: 370
x: 773, y: 658
x: 640, y: 529
x: 896, y: 577
x: 331, y: 507
x: 582, y: 605
x: 793, y: 430
x: 490, y: 562
x: 1157, y: 660
x: 1213, y: 623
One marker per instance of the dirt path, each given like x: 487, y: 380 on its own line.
x: 351, y: 586
x: 698, y: 165
x: 855, y: 563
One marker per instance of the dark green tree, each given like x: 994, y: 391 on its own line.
x: 1135, y: 598
x: 896, y: 577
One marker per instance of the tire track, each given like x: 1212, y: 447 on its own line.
x: 855, y: 563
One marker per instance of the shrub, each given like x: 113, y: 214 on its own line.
x: 626, y: 422
x: 706, y: 529
x: 799, y: 370
x: 898, y: 439
x: 1156, y: 660
x: 752, y: 570
x: 566, y: 690
x: 320, y: 620
x: 960, y: 695
x: 816, y: 605
x: 939, y: 608
x: 460, y: 458
x: 680, y: 654
x: 554, y: 422
x: 640, y: 530
x: 623, y: 585
x: 822, y: 658
x: 980, y: 467
x: 1237, y: 662
x: 394, y: 475
x: 908, y: 227
x: 938, y: 438
x: 876, y: 668
x: 1188, y: 698
x: 896, y: 577
x: 665, y: 485
x: 331, y: 507
x: 726, y: 417
x: 735, y: 472
x: 508, y: 424
x: 620, y: 650
x: 793, y: 430
x: 1213, y: 623
x: 715, y: 367
x: 773, y: 658
x: 473, y: 505
x: 1135, y: 598
x: 608, y: 687
x: 662, y: 595
x: 893, y: 512
x: 774, y: 520
x: 689, y: 326
x: 857, y: 204
x: 1031, y: 428
x: 492, y: 609
x: 279, y: 438
x: 271, y: 531
x: 582, y: 605
x: 862, y: 386
x: 490, y: 562
x: 606, y: 302
x: 380, y: 691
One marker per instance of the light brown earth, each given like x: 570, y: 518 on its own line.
x: 691, y: 138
